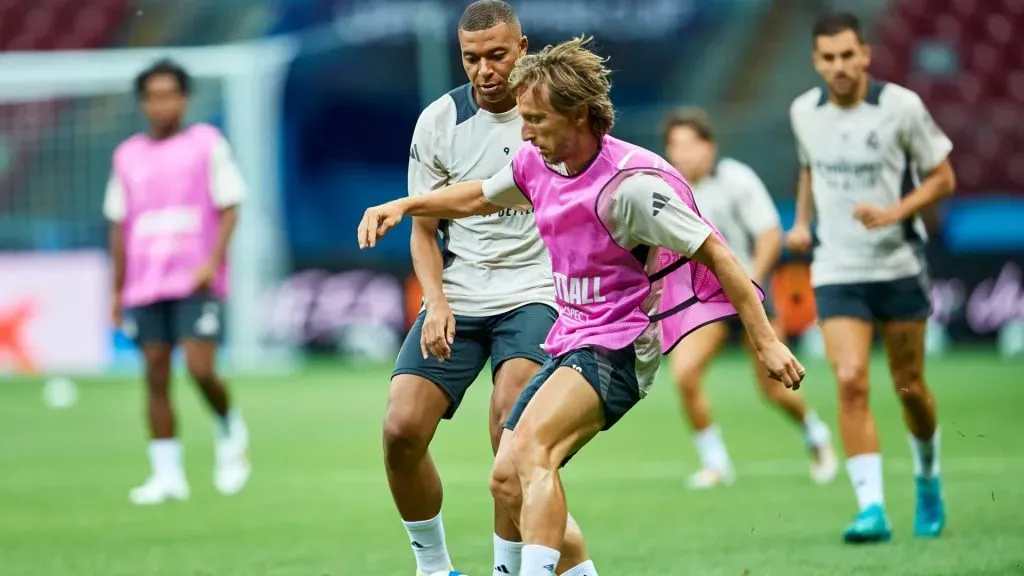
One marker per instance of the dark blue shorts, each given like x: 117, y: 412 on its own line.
x: 612, y: 374
x: 904, y: 299
x: 518, y: 333
x: 198, y: 317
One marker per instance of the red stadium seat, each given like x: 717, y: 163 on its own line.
x: 981, y: 108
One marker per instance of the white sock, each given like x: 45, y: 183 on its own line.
x: 585, y: 569
x: 711, y: 449
x: 926, y: 455
x: 427, y: 540
x: 865, y: 472
x: 508, y: 557
x: 815, y: 431
x: 539, y: 560
x: 165, y: 458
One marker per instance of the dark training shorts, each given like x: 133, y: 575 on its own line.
x: 518, y: 333
x: 198, y: 317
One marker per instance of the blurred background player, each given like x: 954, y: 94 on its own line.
x: 862, y: 144
x: 172, y: 201
x: 732, y: 197
x: 488, y: 293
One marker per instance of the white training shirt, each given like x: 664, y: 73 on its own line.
x: 871, y: 153
x: 630, y: 220
x: 735, y: 200
x: 226, y: 184
x: 493, y: 263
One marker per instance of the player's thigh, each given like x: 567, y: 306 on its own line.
x: 905, y: 350
x: 456, y: 374
x: 848, y: 348
x: 564, y: 414
x: 694, y: 352
x: 151, y: 325
x: 516, y: 343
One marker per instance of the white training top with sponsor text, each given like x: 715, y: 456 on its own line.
x: 493, y: 263
x: 871, y: 153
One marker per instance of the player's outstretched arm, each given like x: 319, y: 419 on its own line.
x: 451, y: 203
x: 780, y: 362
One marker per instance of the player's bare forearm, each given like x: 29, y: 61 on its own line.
x: 228, y: 222
x: 451, y: 203
x: 737, y: 286
x: 427, y: 261
x: 940, y: 183
x: 116, y: 238
x: 767, y: 250
x: 804, y: 199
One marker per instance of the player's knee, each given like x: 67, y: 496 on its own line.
x: 405, y: 438
x: 504, y: 483
x: 853, y: 385
x: 200, y: 369
x: 911, y: 388
x: 158, y: 377
x: 687, y: 377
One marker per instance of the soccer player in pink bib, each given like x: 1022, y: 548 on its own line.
x: 172, y: 201
x: 636, y: 269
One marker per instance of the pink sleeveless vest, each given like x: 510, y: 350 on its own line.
x: 608, y: 295
x: 171, y: 220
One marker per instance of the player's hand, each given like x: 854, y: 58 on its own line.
x: 116, y: 310
x: 782, y: 365
x: 377, y: 221
x: 798, y: 239
x: 873, y: 217
x: 203, y: 278
x: 438, y: 332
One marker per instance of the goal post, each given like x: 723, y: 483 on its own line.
x: 248, y: 79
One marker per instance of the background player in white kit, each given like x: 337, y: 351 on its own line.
x: 730, y: 195
x: 861, y: 145
x: 488, y: 291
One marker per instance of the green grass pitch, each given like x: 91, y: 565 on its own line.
x: 318, y: 503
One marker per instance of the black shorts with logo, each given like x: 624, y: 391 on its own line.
x: 518, y: 333
x: 198, y: 317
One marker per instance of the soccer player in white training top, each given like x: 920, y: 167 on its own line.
x: 488, y: 290
x: 732, y: 197
x: 863, y: 145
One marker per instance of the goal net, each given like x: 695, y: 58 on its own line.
x: 61, y: 116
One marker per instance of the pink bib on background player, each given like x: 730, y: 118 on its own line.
x: 171, y: 220
x: 608, y: 295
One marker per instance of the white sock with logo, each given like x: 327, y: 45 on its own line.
x: 427, y: 540
x: 539, y: 560
x: 508, y: 557
x: 865, y: 472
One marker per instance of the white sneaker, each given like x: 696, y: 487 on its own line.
x: 824, y: 464
x: 157, y: 490
x: 233, y: 468
x: 707, y: 478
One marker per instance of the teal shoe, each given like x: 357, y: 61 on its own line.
x: 930, y: 513
x: 871, y: 525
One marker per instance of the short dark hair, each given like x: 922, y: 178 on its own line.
x: 695, y: 119
x: 484, y: 14
x: 834, y: 23
x: 165, y: 67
